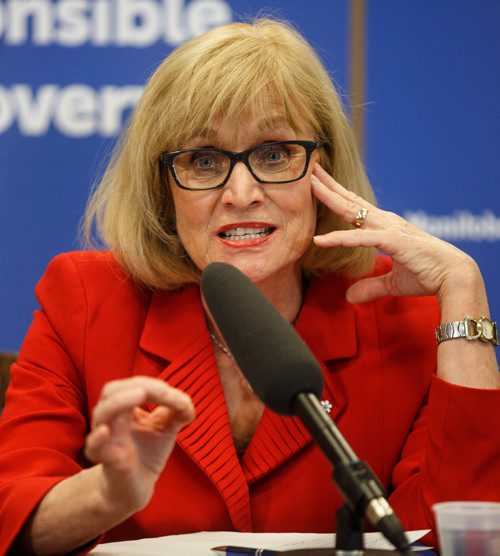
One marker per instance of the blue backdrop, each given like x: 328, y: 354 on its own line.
x: 70, y: 71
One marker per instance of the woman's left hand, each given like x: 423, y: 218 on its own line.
x: 422, y: 263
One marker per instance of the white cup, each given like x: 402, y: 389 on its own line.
x: 468, y: 528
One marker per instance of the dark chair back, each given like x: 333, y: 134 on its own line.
x: 6, y: 360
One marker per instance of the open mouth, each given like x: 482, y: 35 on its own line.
x: 242, y: 234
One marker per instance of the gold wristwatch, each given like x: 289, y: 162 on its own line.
x: 470, y: 328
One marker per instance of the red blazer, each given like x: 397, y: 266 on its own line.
x: 427, y: 440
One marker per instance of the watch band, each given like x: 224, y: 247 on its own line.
x: 470, y: 328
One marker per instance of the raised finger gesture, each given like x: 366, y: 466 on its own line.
x: 131, y: 443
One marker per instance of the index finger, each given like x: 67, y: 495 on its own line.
x: 123, y: 395
x: 329, y: 183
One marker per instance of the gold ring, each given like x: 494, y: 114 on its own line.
x: 360, y: 217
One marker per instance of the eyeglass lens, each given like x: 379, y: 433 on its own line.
x: 271, y: 163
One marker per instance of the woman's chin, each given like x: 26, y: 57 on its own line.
x: 261, y: 271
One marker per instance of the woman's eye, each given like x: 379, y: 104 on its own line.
x: 203, y: 161
x: 273, y: 155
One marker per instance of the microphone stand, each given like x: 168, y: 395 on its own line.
x: 349, y: 538
x: 363, y: 494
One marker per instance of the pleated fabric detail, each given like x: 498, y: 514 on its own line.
x: 208, y: 440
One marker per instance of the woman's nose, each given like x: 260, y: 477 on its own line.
x: 242, y: 189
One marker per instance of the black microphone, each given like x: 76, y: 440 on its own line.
x: 286, y: 377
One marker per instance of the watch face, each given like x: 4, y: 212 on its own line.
x: 487, y: 329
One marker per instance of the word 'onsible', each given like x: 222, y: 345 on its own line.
x: 122, y: 23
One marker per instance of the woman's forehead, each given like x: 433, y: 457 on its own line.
x: 277, y: 121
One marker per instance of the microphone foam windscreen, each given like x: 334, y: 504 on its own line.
x: 274, y: 359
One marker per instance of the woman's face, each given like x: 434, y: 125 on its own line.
x: 274, y: 222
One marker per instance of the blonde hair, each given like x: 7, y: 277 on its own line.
x: 235, y: 69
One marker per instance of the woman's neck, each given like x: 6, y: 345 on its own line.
x: 285, y: 293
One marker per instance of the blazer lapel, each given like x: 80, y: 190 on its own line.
x: 175, y: 330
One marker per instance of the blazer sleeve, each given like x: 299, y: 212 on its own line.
x: 45, y: 421
x: 452, y: 453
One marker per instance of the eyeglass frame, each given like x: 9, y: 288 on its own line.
x: 167, y: 159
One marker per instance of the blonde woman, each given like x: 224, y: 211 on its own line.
x: 128, y: 417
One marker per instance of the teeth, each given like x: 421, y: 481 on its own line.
x: 239, y: 234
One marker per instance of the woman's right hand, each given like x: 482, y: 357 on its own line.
x: 131, y: 444
x: 130, y: 447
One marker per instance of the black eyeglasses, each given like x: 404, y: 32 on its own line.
x: 207, y: 168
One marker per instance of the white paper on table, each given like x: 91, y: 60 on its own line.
x: 201, y: 544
